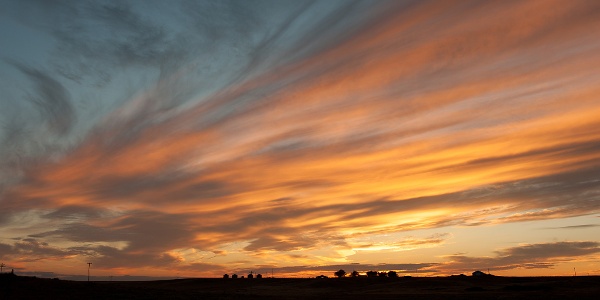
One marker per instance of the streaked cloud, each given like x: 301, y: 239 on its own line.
x: 295, y: 134
x: 582, y: 226
x: 528, y: 256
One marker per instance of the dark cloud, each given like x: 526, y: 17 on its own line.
x: 31, y: 250
x: 5, y: 250
x: 402, y: 268
x: 146, y: 236
x: 142, y: 230
x: 582, y: 226
x: 548, y: 196
x: 73, y: 213
x: 139, y: 41
x: 52, y: 100
x: 79, y: 232
x: 550, y: 250
x: 98, y: 37
x: 556, y: 152
x: 112, y: 186
x: 531, y: 256
x: 277, y: 244
x: 92, y: 277
x: 110, y: 257
x: 16, y: 130
x: 563, y: 194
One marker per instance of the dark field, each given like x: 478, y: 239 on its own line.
x: 584, y: 287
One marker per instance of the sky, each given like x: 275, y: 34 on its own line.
x: 296, y: 138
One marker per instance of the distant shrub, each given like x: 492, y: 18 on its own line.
x: 340, y: 273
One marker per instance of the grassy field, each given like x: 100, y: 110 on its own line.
x: 584, y: 287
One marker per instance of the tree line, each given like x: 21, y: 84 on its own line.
x: 391, y: 274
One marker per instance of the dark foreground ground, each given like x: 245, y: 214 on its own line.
x: 584, y: 287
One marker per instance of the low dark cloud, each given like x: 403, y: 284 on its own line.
x: 92, y: 277
x: 582, y: 226
x: 272, y: 228
x: 402, y: 268
x: 31, y: 250
x: 530, y: 256
x: 110, y: 257
x: 550, y: 250
x: 142, y: 230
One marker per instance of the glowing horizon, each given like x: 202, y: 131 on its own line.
x: 425, y: 137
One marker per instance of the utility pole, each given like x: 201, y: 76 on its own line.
x: 2, y: 265
x: 89, y: 266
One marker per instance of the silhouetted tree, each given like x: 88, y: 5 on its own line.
x: 371, y: 274
x: 234, y: 276
x: 392, y: 274
x: 341, y: 273
x: 226, y: 276
x: 354, y: 274
x: 258, y: 276
x: 382, y: 274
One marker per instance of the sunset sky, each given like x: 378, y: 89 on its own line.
x: 198, y: 138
